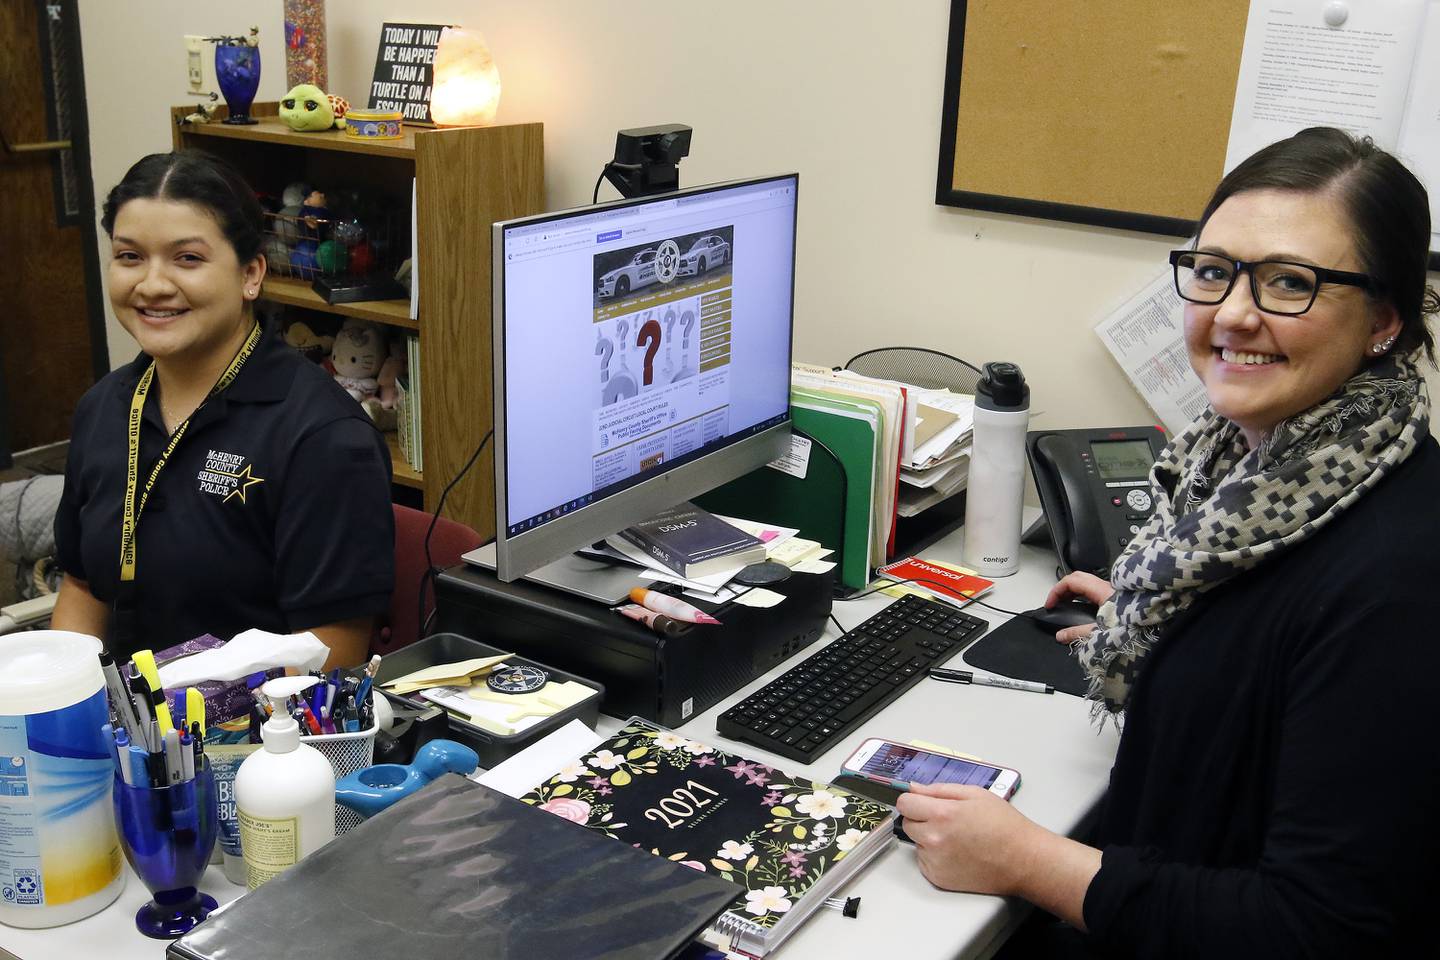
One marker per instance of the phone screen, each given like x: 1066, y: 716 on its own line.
x: 911, y: 764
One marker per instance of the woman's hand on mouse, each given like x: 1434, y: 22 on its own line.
x: 1084, y: 586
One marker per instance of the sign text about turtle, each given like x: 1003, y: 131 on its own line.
x: 404, y: 66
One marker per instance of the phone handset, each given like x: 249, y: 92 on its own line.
x: 1084, y: 537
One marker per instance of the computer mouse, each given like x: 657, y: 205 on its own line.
x: 1070, y: 614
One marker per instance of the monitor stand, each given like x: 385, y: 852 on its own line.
x: 599, y: 580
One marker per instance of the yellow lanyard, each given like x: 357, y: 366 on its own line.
x: 130, y: 516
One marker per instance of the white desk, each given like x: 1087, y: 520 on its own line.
x: 1063, y: 759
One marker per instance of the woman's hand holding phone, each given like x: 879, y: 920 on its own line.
x: 969, y: 839
x: 966, y: 838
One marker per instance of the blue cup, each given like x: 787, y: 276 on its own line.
x: 167, y: 834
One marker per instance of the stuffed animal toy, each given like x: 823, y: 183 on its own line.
x: 381, y: 407
x: 315, y: 344
x: 356, y: 361
x: 340, y: 106
x: 306, y: 108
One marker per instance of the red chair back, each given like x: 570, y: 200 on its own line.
x: 450, y: 541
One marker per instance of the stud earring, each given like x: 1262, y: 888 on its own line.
x: 1383, y: 345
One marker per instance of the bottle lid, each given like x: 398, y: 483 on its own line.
x: 1002, y: 388
x: 44, y: 670
x: 281, y: 733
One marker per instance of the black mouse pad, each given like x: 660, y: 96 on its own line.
x: 1022, y: 649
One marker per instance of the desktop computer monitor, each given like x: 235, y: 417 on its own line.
x: 642, y: 357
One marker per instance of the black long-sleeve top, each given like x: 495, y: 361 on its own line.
x: 1277, y: 788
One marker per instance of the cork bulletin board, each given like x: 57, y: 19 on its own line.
x: 1110, y: 112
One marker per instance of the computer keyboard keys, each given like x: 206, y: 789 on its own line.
x: 818, y: 702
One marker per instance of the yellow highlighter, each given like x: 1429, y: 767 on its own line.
x: 144, y: 662
x: 195, y: 708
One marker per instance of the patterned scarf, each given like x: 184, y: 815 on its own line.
x: 1221, y: 509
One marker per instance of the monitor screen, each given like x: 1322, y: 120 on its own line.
x: 642, y: 356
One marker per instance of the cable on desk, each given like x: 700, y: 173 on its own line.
x: 429, y: 574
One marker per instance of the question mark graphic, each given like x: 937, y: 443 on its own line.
x: 621, y: 387
x: 687, y: 323
x: 604, y: 349
x: 669, y: 323
x: 649, y: 332
x: 623, y: 327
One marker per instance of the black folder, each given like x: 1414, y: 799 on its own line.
x: 459, y: 870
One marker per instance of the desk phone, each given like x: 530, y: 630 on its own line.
x: 1094, y: 486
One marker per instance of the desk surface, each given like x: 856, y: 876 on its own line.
x: 1063, y: 759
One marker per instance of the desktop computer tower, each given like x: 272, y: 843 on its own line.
x: 664, y: 679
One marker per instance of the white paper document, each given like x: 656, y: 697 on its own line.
x: 522, y: 772
x: 1419, y: 143
x: 960, y: 404
x: 1300, y: 70
x: 1146, y: 337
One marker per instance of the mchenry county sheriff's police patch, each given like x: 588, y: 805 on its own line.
x: 227, y: 475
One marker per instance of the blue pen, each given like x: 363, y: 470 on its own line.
x: 122, y: 756
x: 108, y: 731
x: 363, y: 693
x: 139, y: 766
x: 177, y: 713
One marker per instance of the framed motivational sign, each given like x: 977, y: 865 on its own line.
x: 404, y: 64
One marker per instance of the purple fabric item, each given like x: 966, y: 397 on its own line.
x: 224, y: 699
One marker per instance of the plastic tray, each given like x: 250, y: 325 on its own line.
x: 492, y: 747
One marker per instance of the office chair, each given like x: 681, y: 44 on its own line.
x: 450, y: 540
x: 920, y: 366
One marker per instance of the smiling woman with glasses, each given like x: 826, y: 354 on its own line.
x: 1269, y: 633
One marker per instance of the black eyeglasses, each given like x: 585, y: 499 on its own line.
x: 1278, y: 286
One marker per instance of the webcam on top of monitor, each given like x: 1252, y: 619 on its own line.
x: 647, y: 159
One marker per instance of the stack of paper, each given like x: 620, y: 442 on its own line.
x: 863, y: 422
x: 904, y: 448
x: 940, y: 464
x: 460, y: 674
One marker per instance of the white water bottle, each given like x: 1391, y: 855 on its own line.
x: 996, y: 488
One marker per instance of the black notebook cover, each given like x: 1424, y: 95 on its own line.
x: 786, y: 840
x: 457, y: 871
x: 694, y: 542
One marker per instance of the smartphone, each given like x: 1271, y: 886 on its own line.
x: 897, y: 763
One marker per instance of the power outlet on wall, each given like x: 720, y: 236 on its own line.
x: 194, y: 46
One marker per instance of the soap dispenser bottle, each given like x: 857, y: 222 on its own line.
x: 284, y: 792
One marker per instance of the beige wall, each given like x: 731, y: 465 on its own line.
x: 851, y: 99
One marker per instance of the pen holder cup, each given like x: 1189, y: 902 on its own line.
x: 167, y: 834
x: 347, y: 752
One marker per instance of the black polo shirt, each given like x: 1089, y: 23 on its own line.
x: 273, y: 512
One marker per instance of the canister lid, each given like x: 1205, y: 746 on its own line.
x: 43, y: 670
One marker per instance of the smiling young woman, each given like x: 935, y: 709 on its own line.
x: 219, y: 481
x: 1267, y: 634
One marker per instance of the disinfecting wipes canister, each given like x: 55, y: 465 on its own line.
x: 59, y: 855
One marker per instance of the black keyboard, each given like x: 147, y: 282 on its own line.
x: 802, y: 713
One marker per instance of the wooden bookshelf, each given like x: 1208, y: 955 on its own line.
x: 465, y: 179
x: 403, y: 474
x: 298, y: 293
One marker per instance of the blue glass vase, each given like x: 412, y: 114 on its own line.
x: 237, y: 68
x: 168, y: 835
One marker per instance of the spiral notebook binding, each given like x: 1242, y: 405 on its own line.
x: 744, y: 937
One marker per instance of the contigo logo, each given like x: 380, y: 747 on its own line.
x: 996, y: 559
